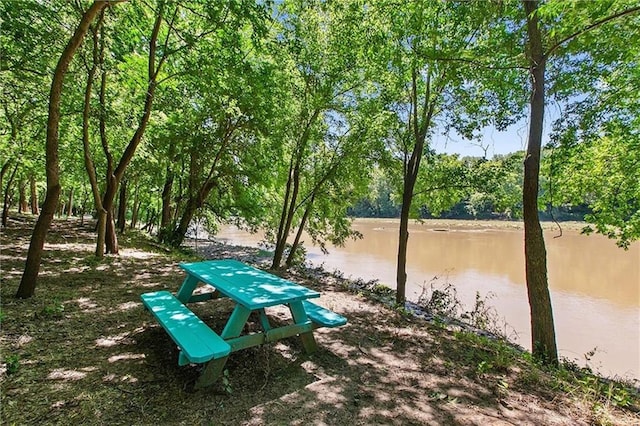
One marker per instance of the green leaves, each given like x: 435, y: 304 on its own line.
x: 604, y: 174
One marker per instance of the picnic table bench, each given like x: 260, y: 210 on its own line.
x: 252, y: 290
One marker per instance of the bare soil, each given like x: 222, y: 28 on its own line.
x: 83, y: 351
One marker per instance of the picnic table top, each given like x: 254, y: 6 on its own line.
x: 251, y: 287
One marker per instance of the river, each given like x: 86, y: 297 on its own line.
x: 595, y: 286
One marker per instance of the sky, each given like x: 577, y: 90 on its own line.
x: 494, y: 141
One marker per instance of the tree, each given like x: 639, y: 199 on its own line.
x: 158, y: 54
x: 28, y: 41
x: 593, y: 155
x: 543, y: 43
x: 542, y: 327
x: 322, y: 47
x: 32, y: 265
x: 217, y: 115
x: 426, y: 71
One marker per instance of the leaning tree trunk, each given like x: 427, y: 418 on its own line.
x: 291, y: 191
x: 113, y: 180
x: 194, y: 203
x: 32, y: 265
x: 283, y: 232
x: 296, y: 240
x: 543, y: 338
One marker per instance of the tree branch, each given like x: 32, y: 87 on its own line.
x: 591, y: 27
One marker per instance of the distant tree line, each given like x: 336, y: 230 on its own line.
x: 500, y: 202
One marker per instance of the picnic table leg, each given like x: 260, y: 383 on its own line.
x: 236, y: 322
x: 264, y: 321
x: 186, y: 289
x: 299, y: 317
x: 212, y: 370
x: 215, y: 367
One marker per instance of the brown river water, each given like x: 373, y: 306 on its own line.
x: 595, y: 286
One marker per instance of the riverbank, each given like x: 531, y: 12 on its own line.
x: 593, y: 283
x: 84, y: 351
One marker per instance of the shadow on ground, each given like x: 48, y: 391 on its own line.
x: 84, y: 351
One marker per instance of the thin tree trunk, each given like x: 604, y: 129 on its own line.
x: 193, y: 204
x: 23, y: 205
x: 135, y: 209
x: 543, y: 339
x: 7, y: 197
x: 3, y: 171
x: 111, y: 238
x: 291, y: 192
x: 165, y: 216
x: 279, y: 249
x: 403, y: 242
x: 32, y: 264
x: 303, y: 222
x: 113, y: 180
x: 419, y: 122
x: 101, y: 213
x: 151, y: 218
x: 34, y: 195
x: 70, y: 206
x: 122, y: 206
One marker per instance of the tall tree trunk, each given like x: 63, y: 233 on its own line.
x: 543, y: 338
x: 282, y: 236
x: 32, y: 265
x: 403, y: 241
x: 70, y: 206
x: 122, y: 206
x: 111, y: 238
x: 282, y: 243
x: 113, y: 180
x: 7, y: 197
x: 419, y: 123
x: 34, y: 195
x: 101, y: 213
x: 291, y: 192
x: 165, y: 218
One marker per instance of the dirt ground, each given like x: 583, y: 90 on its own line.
x: 83, y: 351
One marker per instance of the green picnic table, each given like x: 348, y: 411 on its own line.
x: 252, y: 290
